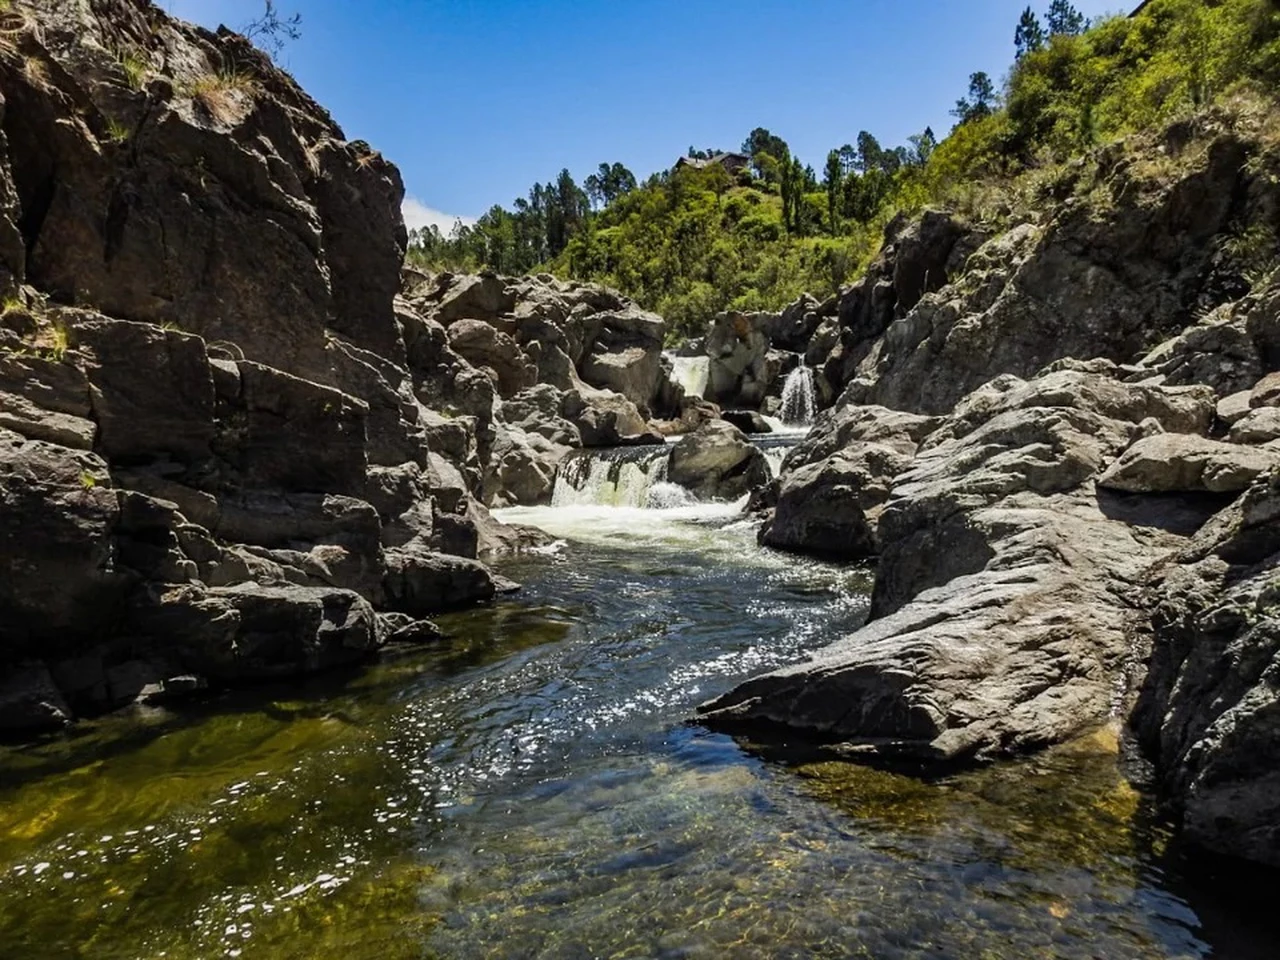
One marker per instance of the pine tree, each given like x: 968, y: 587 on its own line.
x: 1029, y: 37
x: 1065, y: 19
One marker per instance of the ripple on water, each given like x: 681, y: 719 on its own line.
x: 530, y: 788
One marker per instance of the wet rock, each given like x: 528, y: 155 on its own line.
x: 748, y: 421
x: 716, y: 461
x: 30, y: 702
x: 831, y: 508
x: 420, y: 583
x: 252, y: 631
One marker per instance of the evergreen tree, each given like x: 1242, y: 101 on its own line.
x: 870, y: 153
x: 1065, y: 19
x: 1029, y: 37
x: 980, y: 101
x: 833, y: 176
x: 848, y: 158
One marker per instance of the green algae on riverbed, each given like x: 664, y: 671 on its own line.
x: 530, y: 788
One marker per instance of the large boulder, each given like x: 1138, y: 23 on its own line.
x: 1170, y: 462
x: 717, y: 461
x: 252, y: 632
x: 420, y: 583
x: 1004, y: 607
x: 606, y: 419
x: 831, y: 508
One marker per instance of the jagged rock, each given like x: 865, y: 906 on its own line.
x: 537, y: 410
x: 151, y: 389
x: 485, y: 347
x: 1003, y: 609
x: 1209, y: 711
x: 522, y: 468
x: 58, y: 579
x: 420, y: 583
x: 45, y: 399
x: 30, y: 701
x: 1183, y: 463
x: 1258, y: 426
x: 830, y: 508
x: 717, y: 461
x: 606, y: 419
x: 1092, y: 282
x: 837, y: 428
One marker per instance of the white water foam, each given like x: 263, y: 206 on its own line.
x: 692, y: 373
x: 799, y: 401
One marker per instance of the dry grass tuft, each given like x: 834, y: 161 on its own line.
x: 222, y: 95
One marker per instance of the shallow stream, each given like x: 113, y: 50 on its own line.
x: 532, y: 788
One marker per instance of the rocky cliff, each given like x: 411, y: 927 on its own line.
x: 1055, y: 436
x: 236, y: 440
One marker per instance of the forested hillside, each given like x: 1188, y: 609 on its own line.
x: 697, y: 239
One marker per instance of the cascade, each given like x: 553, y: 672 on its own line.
x: 624, y: 477
x: 692, y: 373
x: 798, y: 397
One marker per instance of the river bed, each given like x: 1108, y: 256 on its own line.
x: 532, y: 787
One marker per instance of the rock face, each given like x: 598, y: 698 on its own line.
x: 1209, y: 712
x: 263, y: 431
x: 1002, y: 617
x: 1056, y: 433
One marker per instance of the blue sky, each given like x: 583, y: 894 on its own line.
x: 477, y: 99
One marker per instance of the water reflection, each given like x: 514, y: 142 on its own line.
x: 529, y: 787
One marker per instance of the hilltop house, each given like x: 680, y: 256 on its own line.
x: 733, y: 162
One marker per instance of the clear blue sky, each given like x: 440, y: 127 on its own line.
x: 477, y: 99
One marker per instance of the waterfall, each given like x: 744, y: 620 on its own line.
x: 691, y: 373
x: 627, y: 477
x: 798, y: 400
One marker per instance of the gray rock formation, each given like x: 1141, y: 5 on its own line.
x: 1003, y: 615
x: 717, y: 461
x: 1209, y: 711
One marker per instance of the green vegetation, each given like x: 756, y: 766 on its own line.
x: 705, y: 236
x: 135, y: 68
x: 117, y: 132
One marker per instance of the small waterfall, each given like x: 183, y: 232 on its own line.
x: 692, y: 373
x: 799, y: 403
x: 630, y: 477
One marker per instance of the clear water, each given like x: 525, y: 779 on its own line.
x: 532, y: 788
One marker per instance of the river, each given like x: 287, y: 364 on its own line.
x: 532, y: 787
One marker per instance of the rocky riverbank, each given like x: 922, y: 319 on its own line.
x: 240, y: 441
x: 237, y: 441
x: 1055, y: 438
